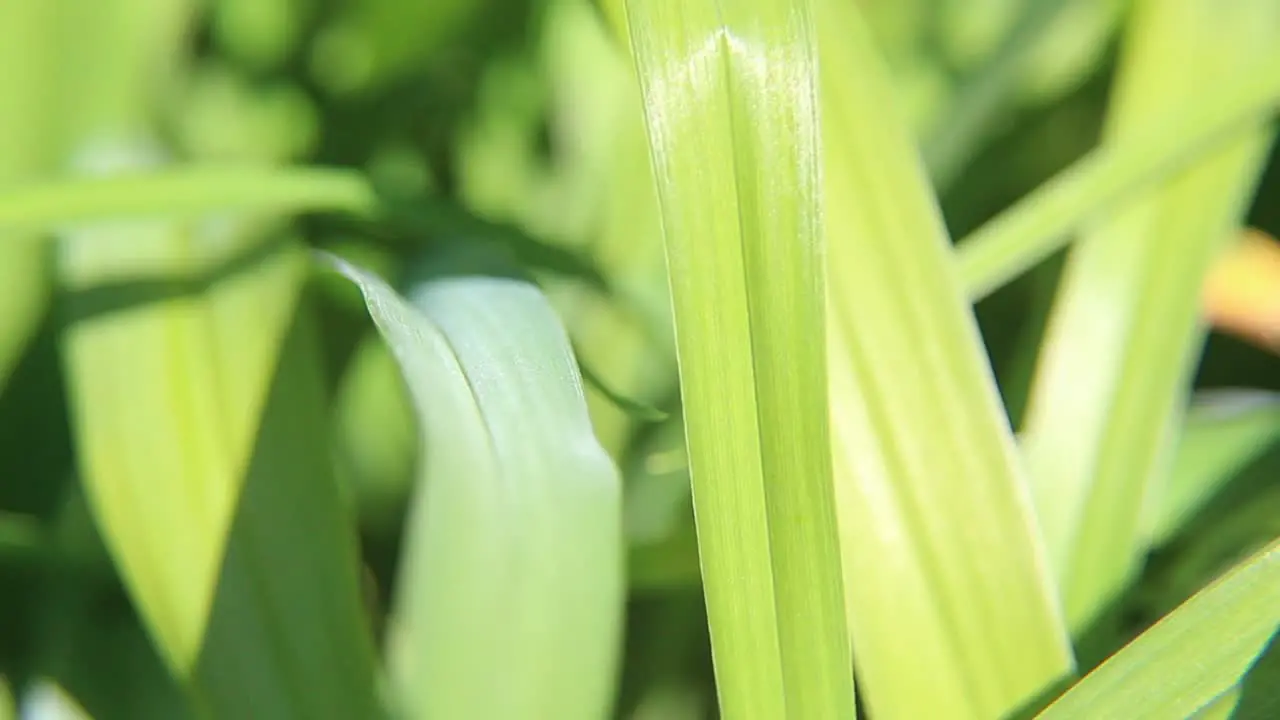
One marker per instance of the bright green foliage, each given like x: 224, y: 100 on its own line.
x: 730, y: 100
x: 1189, y: 659
x: 184, y: 192
x: 1125, y: 325
x: 198, y: 482
x: 940, y: 548
x: 1047, y: 218
x: 26, y: 30
x: 515, y: 500
x: 196, y: 413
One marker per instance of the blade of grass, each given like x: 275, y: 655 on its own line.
x: 184, y: 192
x: 1190, y: 658
x: 197, y: 416
x: 1126, y: 326
x: 729, y: 91
x: 1223, y: 432
x: 1042, y: 222
x: 26, y: 30
x: 940, y: 548
x: 511, y: 588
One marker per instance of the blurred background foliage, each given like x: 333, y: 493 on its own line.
x: 511, y: 132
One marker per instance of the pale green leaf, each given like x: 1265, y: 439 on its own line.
x: 945, y: 581
x: 1043, y: 221
x: 26, y: 148
x: 1223, y: 432
x: 730, y: 104
x: 1126, y: 325
x: 1190, y: 659
x: 185, y: 192
x: 512, y: 586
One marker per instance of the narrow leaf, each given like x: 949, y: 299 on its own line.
x: 941, y: 551
x: 1189, y: 659
x: 27, y: 40
x: 183, y: 192
x: 197, y: 409
x: 1126, y: 324
x: 1043, y: 222
x: 730, y: 104
x: 511, y: 588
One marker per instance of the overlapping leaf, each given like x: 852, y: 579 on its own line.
x: 511, y: 586
x: 1191, y: 659
x: 197, y: 408
x: 1126, y: 325
x: 946, y: 585
x: 730, y: 103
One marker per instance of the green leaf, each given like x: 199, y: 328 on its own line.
x: 730, y: 104
x: 940, y: 546
x: 27, y: 40
x: 184, y: 192
x: 1224, y: 431
x: 1043, y: 221
x: 1190, y: 658
x: 197, y: 411
x: 511, y: 586
x: 1126, y: 326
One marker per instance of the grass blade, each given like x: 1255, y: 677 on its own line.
x: 1043, y: 222
x: 516, y: 499
x: 1189, y: 659
x: 184, y: 192
x: 197, y: 408
x: 940, y: 547
x: 729, y: 90
x: 26, y: 40
x: 1126, y: 321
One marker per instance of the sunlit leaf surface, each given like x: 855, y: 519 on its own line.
x: 511, y: 587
